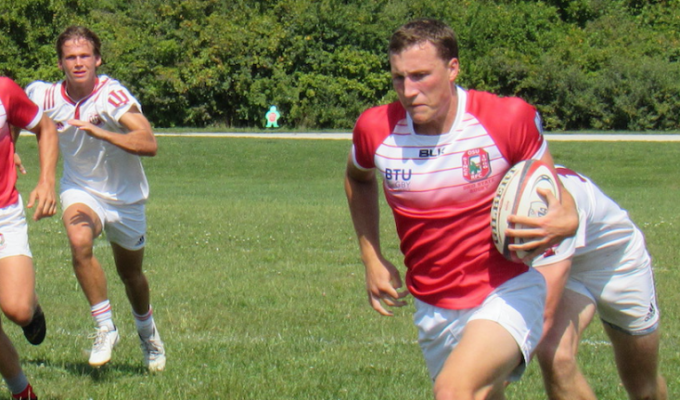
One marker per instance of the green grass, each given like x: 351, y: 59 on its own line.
x: 258, y: 289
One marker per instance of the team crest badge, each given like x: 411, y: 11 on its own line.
x: 476, y: 165
x: 96, y: 120
x: 3, y: 244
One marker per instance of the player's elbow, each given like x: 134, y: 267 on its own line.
x: 150, y: 152
x: 148, y: 148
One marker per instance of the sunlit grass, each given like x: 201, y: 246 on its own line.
x: 258, y: 289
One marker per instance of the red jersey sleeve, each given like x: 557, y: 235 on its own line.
x: 514, y: 124
x: 21, y: 111
x: 371, y: 129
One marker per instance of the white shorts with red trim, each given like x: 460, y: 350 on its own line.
x: 124, y: 225
x: 517, y: 305
x: 14, y: 231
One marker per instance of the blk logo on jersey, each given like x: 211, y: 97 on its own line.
x: 430, y: 153
x: 476, y: 165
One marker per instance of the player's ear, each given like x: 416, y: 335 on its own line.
x: 454, y: 68
x: 98, y: 61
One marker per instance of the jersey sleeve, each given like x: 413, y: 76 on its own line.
x: 119, y: 100
x: 514, y: 124
x: 21, y: 111
x: 526, y: 133
x: 36, y: 91
x: 576, y: 185
x: 372, y: 127
x: 565, y: 249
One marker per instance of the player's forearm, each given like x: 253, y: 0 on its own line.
x: 571, y: 219
x: 48, y: 150
x: 362, y: 197
x: 139, y: 142
x: 556, y: 276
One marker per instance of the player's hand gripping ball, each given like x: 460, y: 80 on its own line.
x: 516, y: 195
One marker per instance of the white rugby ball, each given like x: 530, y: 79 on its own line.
x: 516, y: 195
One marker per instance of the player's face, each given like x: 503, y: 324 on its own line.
x: 424, y: 84
x: 79, y: 63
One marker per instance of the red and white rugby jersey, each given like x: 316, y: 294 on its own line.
x: 15, y: 109
x: 95, y: 165
x: 440, y: 189
x: 605, y: 230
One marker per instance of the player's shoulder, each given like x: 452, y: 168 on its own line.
x: 40, y: 87
x: 9, y: 86
x: 381, y: 118
x: 480, y: 102
x: 5, y: 81
x: 108, y: 83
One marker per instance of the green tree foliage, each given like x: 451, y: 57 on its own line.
x: 586, y: 64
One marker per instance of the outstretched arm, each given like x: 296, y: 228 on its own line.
x: 139, y: 139
x: 382, y: 277
x: 48, y: 149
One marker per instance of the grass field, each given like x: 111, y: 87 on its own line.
x: 258, y: 288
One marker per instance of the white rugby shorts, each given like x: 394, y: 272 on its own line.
x: 14, y: 231
x: 624, y: 296
x: 517, y: 305
x: 124, y: 225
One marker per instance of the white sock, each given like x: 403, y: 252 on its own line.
x: 103, y: 315
x: 17, y: 384
x: 144, y: 323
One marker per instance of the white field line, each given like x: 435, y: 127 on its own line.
x: 555, y: 137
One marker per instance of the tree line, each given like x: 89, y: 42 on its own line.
x: 586, y: 64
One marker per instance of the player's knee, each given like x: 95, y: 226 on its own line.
x: 556, y: 361
x: 461, y: 391
x: 20, y: 314
x: 132, y: 277
x: 545, y: 352
x: 81, y: 245
x: 450, y: 392
x: 651, y: 389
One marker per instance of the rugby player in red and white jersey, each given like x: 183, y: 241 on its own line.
x: 18, y: 299
x: 102, y: 134
x: 606, y: 268
x: 441, y: 151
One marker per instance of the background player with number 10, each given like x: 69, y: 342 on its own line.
x: 102, y: 134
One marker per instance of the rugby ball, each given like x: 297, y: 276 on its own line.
x: 516, y: 195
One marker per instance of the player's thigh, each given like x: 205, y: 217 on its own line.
x: 82, y: 223
x: 17, y: 278
x: 573, y: 315
x: 485, y: 357
x: 499, y: 337
x: 637, y: 356
x: 625, y: 295
x: 17, y: 286
x: 126, y: 226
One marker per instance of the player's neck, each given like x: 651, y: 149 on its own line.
x: 77, y: 91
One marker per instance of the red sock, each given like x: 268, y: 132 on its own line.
x: 27, y: 394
